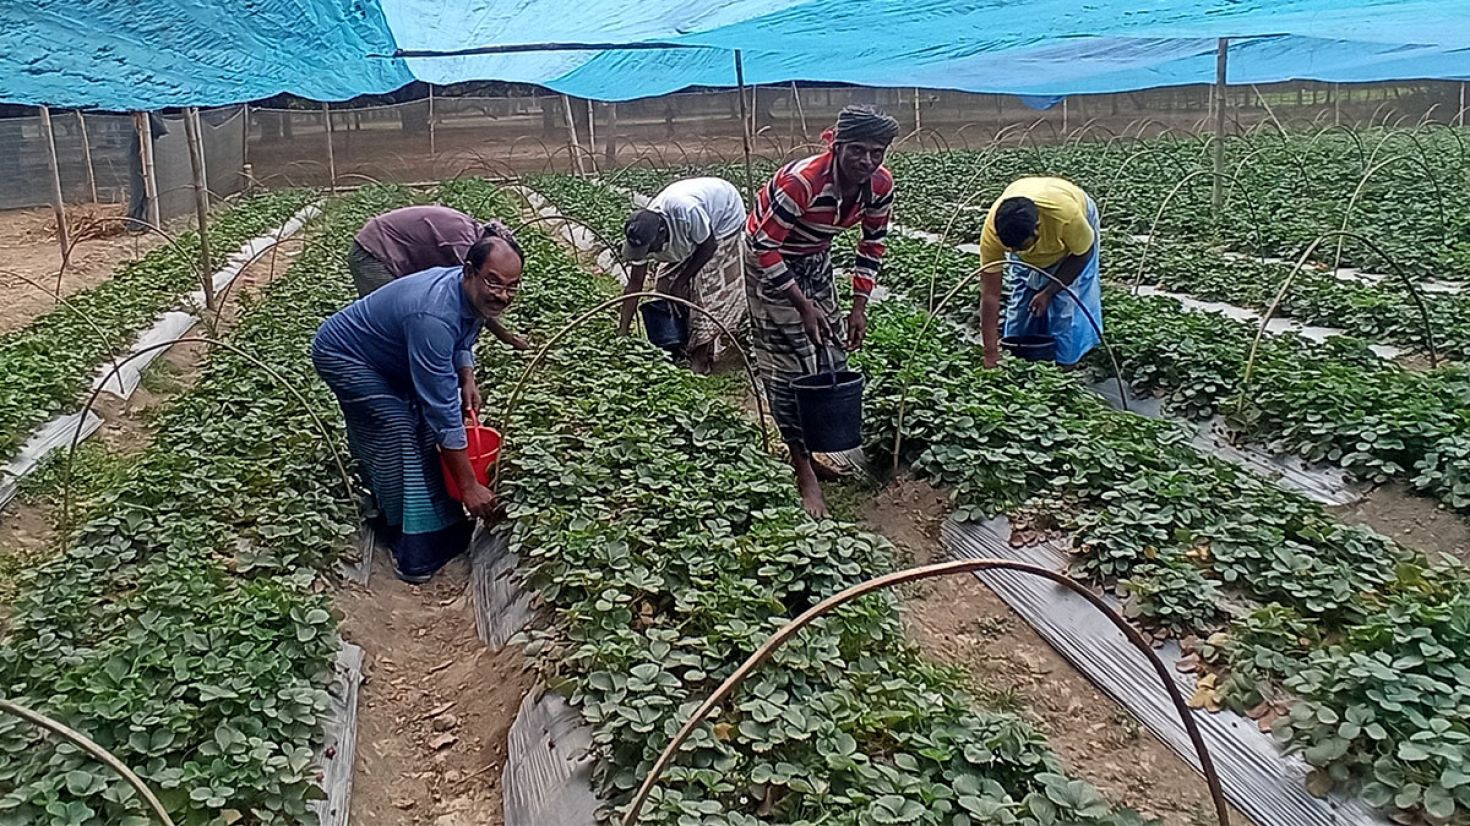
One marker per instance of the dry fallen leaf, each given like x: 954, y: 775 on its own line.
x: 1319, y: 783
x: 724, y: 731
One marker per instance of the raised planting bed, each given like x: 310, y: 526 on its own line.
x: 44, y: 366
x: 186, y: 626
x: 1330, y: 402
x: 1353, y: 648
x: 666, y: 546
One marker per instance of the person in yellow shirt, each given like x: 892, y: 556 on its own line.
x: 1049, y: 223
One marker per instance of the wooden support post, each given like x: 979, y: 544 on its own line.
x: 87, y: 156
x: 800, y: 112
x: 63, y: 235
x: 331, y: 152
x: 145, y: 158
x: 1460, y: 116
x: 754, y: 126
x: 611, y: 150
x: 433, y: 149
x: 918, y: 119
x: 746, y: 131
x: 591, y: 126
x: 1222, y: 49
x: 192, y: 132
x: 574, y: 144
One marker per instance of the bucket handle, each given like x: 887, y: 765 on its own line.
x: 819, y: 355
x: 473, y: 442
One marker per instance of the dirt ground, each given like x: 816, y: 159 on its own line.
x: 28, y: 247
x: 1416, y: 522
x: 436, y: 703
x: 959, y: 621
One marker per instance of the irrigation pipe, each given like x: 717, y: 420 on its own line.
x: 90, y: 747
x: 520, y: 385
x: 76, y: 435
x: 934, y: 314
x: 963, y: 566
x: 1250, y: 360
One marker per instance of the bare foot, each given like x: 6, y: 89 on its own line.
x: 807, y: 484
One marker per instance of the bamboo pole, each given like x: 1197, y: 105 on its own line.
x: 63, y: 236
x: 1461, y: 116
x: 145, y: 155
x: 800, y: 112
x: 87, y: 156
x: 575, y: 143
x: 433, y: 149
x: 745, y: 134
x: 918, y: 121
x: 754, y: 126
x: 1222, y: 48
x: 612, y: 135
x: 245, y: 137
x: 201, y: 200
x: 331, y: 152
x: 591, y: 127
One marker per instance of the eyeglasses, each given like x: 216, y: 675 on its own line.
x: 501, y: 290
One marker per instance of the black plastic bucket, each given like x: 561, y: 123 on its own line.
x: 830, y: 406
x: 1031, y: 348
x: 665, y: 324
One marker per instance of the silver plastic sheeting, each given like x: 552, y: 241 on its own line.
x: 339, y: 751
x: 548, y: 772
x: 1257, y: 777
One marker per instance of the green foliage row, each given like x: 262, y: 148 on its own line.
x: 185, y: 626
x: 1379, y: 699
x: 669, y: 546
x: 46, y: 364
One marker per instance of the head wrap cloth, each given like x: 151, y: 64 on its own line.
x: 862, y: 123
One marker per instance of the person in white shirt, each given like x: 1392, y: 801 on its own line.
x: 693, y: 229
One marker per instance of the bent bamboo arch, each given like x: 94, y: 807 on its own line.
x: 963, y: 566
x: 540, y: 357
x: 86, y: 744
x: 1281, y: 294
x: 76, y: 435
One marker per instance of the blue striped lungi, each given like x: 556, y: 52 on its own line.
x: 397, y: 453
x: 1064, y: 321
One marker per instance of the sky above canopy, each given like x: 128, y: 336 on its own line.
x: 123, y: 54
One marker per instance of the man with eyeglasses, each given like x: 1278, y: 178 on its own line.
x: 413, y: 239
x: 401, y: 364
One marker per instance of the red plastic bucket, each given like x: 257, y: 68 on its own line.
x: 483, y: 447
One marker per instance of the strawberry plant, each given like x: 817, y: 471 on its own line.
x: 184, y: 627
x: 46, y: 364
x: 668, y: 546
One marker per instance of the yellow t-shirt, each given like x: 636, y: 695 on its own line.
x: 1062, y: 227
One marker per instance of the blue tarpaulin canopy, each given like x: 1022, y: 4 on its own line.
x: 126, y: 54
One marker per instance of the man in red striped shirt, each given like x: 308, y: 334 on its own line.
x: 788, y: 268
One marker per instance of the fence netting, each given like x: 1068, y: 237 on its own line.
x: 440, y: 137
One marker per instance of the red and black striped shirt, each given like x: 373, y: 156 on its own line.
x: 798, y: 213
